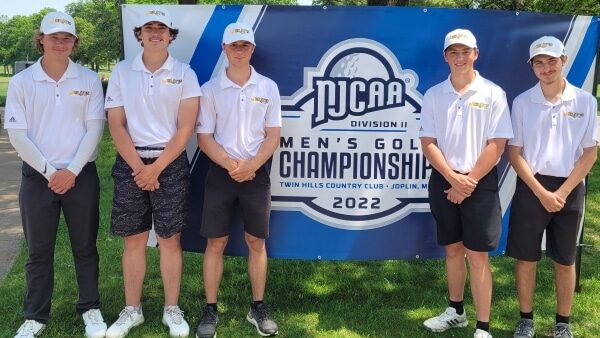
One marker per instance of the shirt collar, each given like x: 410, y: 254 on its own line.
x: 40, y: 75
x: 225, y: 82
x: 474, y: 86
x: 537, y: 96
x: 138, y: 64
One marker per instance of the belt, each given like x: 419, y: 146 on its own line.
x: 149, y: 152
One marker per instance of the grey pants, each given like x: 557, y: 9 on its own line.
x: 40, y: 213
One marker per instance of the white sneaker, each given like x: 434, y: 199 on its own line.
x: 173, y: 318
x: 481, y: 334
x: 128, y: 319
x: 95, y: 327
x: 448, y: 319
x: 30, y: 329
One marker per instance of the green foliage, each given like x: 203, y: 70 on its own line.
x: 98, y: 27
x: 16, y: 38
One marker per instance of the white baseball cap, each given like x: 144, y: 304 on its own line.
x: 546, y: 45
x: 460, y: 36
x: 156, y: 13
x: 58, y: 22
x: 238, y: 31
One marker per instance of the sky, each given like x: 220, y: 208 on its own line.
x: 27, y: 7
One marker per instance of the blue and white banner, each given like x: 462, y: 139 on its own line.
x: 349, y: 180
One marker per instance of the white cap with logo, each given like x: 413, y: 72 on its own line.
x: 58, y: 22
x: 546, y: 45
x: 238, y: 31
x: 156, y: 13
x: 460, y: 36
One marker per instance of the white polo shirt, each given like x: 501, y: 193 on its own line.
x: 553, y: 135
x: 54, y: 113
x: 238, y: 116
x: 462, y: 124
x: 151, y: 100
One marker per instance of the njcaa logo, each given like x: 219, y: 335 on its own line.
x: 349, y: 154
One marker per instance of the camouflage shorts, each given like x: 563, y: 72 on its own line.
x: 134, y: 209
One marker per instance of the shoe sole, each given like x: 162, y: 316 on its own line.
x: 253, y: 322
x: 215, y: 336
x: 126, y: 333
x: 182, y: 335
x: 459, y: 325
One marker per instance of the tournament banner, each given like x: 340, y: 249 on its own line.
x: 349, y: 180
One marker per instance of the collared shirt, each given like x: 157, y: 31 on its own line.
x: 553, y: 135
x: 238, y: 115
x: 151, y: 100
x: 463, y: 124
x: 54, y: 113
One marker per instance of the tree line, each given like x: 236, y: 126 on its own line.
x: 99, y: 29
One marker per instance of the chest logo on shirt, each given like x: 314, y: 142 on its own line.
x: 169, y: 80
x: 479, y: 105
x: 258, y: 99
x: 349, y: 153
x: 573, y: 115
x: 79, y: 92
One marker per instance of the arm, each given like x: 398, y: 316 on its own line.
x: 247, y: 168
x: 582, y: 167
x: 214, y: 151
x: 29, y: 152
x: 186, y: 120
x: 117, y: 125
x: 551, y: 201
x: 463, y: 184
x: 64, y: 179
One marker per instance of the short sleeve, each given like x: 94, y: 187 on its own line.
x: 427, y: 122
x: 114, y: 96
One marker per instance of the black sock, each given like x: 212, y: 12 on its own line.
x: 212, y: 305
x: 562, y: 319
x: 458, y: 306
x: 485, y: 326
x: 527, y: 315
x: 256, y: 303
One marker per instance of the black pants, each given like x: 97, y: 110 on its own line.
x: 40, y: 212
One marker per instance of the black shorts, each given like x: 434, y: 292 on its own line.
x: 529, y: 219
x: 223, y: 196
x: 134, y: 210
x: 477, y: 221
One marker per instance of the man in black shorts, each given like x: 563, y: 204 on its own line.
x: 553, y: 149
x: 239, y: 130
x: 464, y: 126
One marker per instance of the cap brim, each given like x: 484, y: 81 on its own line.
x: 58, y: 30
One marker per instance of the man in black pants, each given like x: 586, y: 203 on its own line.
x: 55, y: 118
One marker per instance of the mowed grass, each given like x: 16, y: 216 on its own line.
x: 3, y: 88
x: 309, y: 298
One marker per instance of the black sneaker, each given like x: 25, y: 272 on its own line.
x: 261, y: 319
x: 562, y: 330
x: 208, y: 323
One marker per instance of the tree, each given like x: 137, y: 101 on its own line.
x: 98, y: 27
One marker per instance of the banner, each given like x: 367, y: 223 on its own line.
x: 349, y: 180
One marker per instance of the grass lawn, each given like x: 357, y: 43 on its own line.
x: 309, y: 298
x: 3, y: 88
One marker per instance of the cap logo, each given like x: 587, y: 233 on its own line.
x: 543, y: 45
x: 240, y: 30
x: 155, y: 12
x: 458, y: 36
x: 62, y: 21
